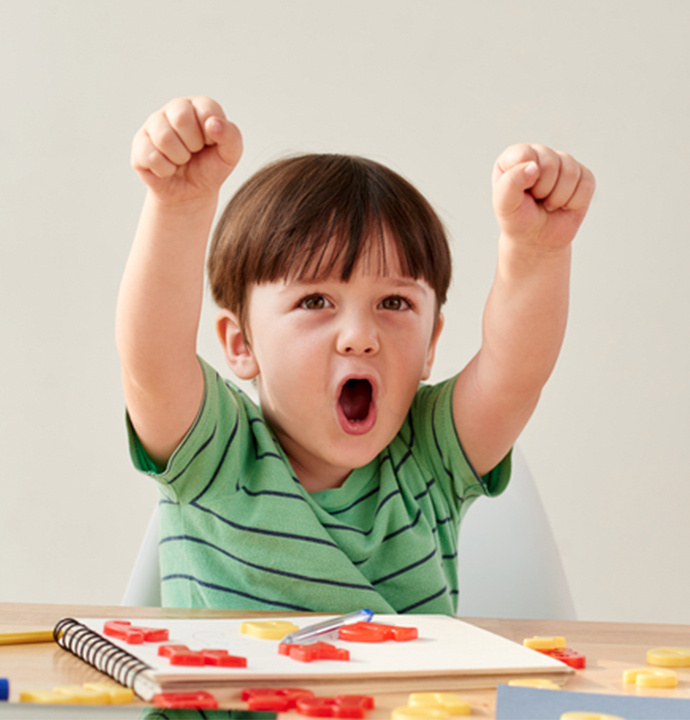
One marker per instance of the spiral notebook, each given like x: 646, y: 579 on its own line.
x: 448, y: 654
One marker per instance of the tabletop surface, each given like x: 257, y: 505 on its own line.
x: 610, y: 648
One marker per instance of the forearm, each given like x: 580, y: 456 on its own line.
x: 524, y: 320
x: 161, y: 294
x: 522, y: 333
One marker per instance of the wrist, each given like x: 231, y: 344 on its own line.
x: 518, y: 251
x: 518, y: 262
x: 181, y: 224
x: 198, y: 206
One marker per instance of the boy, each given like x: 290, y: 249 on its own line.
x: 347, y: 487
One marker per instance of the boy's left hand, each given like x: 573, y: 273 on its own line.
x: 540, y: 195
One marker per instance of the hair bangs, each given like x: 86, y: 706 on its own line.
x: 315, y: 216
x: 338, y: 248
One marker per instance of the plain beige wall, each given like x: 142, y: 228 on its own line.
x: 436, y: 90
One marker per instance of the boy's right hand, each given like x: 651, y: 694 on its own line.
x: 183, y: 153
x: 186, y: 150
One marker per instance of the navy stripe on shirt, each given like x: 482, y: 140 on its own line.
x: 264, y: 568
x: 201, y: 449
x: 409, y: 567
x: 214, y: 475
x: 262, y: 531
x: 414, y: 606
x: 232, y: 591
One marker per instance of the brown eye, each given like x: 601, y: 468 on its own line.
x: 394, y: 302
x: 313, y: 302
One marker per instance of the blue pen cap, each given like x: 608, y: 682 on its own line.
x: 4, y: 689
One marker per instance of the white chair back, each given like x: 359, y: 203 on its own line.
x: 509, y: 563
x: 144, y: 586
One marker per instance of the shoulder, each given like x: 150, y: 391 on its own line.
x: 220, y: 430
x: 429, y: 433
x: 222, y: 395
x: 431, y: 414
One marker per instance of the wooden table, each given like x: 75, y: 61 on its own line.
x: 610, y: 649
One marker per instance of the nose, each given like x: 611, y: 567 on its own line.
x: 357, y: 336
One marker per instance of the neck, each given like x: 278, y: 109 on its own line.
x: 314, y: 478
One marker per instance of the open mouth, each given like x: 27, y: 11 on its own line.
x: 355, y: 400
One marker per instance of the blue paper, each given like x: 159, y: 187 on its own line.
x: 521, y: 703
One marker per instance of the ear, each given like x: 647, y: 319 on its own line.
x: 238, y: 352
x: 431, y: 353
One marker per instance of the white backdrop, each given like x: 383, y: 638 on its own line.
x: 436, y: 89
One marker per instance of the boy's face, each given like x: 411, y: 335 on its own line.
x: 338, y: 363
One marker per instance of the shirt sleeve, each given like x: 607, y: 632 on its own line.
x: 434, y: 425
x: 210, y: 442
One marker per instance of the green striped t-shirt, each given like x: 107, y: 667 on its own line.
x: 239, y: 531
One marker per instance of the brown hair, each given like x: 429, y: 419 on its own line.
x: 311, y: 215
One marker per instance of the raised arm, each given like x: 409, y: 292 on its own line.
x: 183, y: 153
x: 540, y: 198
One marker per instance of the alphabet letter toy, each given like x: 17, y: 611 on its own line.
x: 124, y: 630
x: 182, y: 655
x: 314, y: 651
x: 370, y: 632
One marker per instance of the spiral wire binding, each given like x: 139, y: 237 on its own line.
x: 98, y: 652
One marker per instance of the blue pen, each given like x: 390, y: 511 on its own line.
x: 311, y: 632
